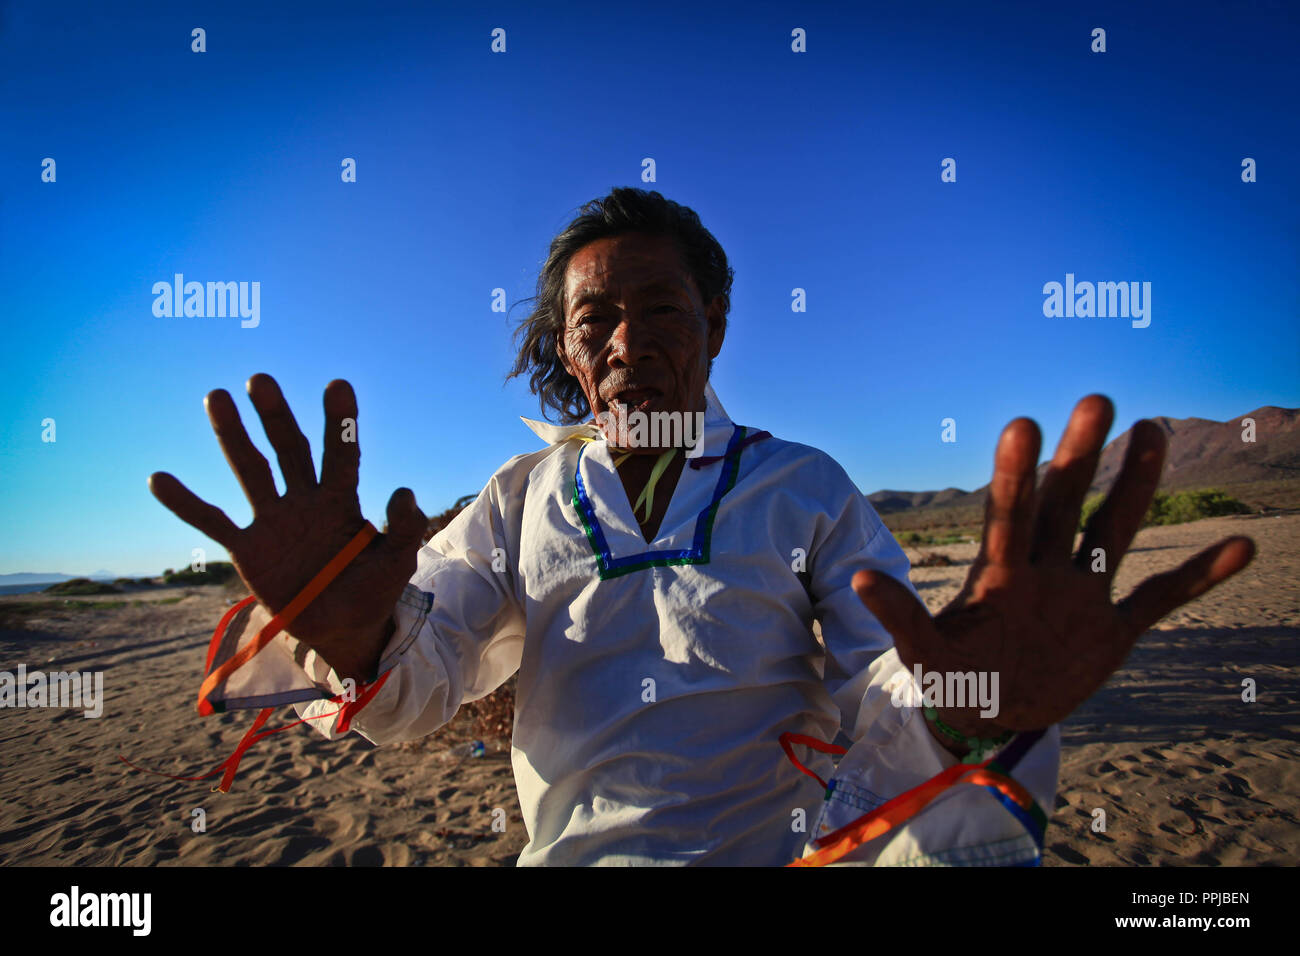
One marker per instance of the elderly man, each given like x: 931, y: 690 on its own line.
x: 658, y: 602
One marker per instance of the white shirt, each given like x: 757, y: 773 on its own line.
x: 655, y: 680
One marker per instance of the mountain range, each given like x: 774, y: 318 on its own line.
x: 1201, y: 454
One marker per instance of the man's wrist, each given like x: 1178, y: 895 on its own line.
x: 358, y: 658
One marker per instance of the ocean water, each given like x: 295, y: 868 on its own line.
x: 24, y: 588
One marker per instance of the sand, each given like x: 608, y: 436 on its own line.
x: 1185, y: 771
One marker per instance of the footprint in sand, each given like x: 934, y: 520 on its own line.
x: 367, y: 856
x: 1237, y: 786
x: 1069, y: 855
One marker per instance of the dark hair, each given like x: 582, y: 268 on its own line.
x: 624, y: 210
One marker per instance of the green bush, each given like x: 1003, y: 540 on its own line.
x: 217, y: 572
x: 916, y: 538
x: 1089, y: 509
x: 1185, y: 506
x: 82, y: 586
x: 1177, y: 507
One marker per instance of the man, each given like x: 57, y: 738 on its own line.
x: 663, y: 635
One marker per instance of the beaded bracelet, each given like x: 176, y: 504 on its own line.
x: 979, y: 746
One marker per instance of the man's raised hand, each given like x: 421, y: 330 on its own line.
x: 1038, y: 615
x: 294, y: 535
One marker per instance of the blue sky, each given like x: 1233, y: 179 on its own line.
x: 818, y: 170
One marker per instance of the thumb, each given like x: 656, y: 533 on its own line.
x: 406, y: 522
x: 897, y: 608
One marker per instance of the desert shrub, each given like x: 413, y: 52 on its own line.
x: 947, y: 539
x: 1184, y: 506
x: 916, y: 538
x: 82, y: 586
x: 493, y: 715
x: 1177, y: 507
x: 932, y: 559
x: 1089, y: 509
x: 216, y: 572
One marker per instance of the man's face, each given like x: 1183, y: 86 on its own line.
x: 636, y: 333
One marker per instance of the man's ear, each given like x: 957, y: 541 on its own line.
x: 717, y: 320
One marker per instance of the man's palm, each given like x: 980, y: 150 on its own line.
x: 1033, y: 612
x: 293, y: 536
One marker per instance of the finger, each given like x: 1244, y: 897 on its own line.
x: 248, y: 464
x: 897, y: 609
x: 1060, y: 497
x: 341, y: 460
x: 193, y: 510
x: 1114, y: 525
x: 1009, y: 510
x: 1157, y: 596
x: 290, y: 444
x: 406, y: 522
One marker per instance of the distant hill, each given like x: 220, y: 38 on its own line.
x: 51, y: 577
x: 887, y: 502
x: 1201, y: 454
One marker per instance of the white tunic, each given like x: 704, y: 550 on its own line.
x: 655, y: 680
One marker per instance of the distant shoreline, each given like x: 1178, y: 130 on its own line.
x: 25, y: 588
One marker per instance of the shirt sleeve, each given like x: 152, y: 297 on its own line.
x: 459, y: 623
x: 459, y: 630
x: 892, y: 747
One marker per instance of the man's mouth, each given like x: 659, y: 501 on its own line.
x: 637, y: 399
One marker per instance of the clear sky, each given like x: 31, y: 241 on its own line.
x: 818, y: 170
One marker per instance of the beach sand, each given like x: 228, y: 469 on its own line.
x: 1185, y: 772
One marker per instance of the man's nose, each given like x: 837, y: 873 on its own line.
x: 630, y: 343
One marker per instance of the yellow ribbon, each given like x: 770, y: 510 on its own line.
x: 648, y: 492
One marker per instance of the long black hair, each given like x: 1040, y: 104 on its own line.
x: 624, y: 210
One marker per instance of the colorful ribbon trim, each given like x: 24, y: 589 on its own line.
x: 700, y: 462
x: 231, y: 764
x: 282, y: 620
x: 993, y: 774
x: 788, y: 738
x: 279, y: 622
x: 608, y: 566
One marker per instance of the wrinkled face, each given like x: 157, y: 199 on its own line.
x: 637, y: 335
